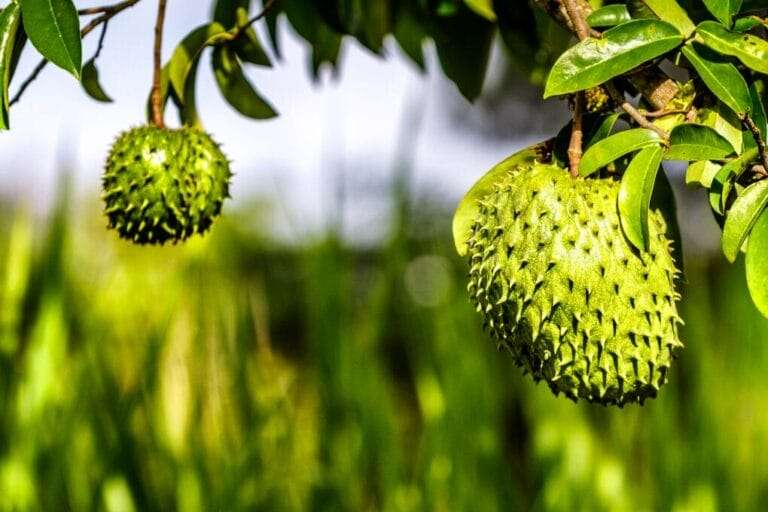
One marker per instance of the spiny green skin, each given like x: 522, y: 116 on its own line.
x: 562, y: 290
x: 162, y: 185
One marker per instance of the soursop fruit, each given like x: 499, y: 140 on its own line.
x: 562, y: 290
x: 163, y: 185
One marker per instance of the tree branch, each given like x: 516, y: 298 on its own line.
x: 108, y: 12
x: 157, y: 51
x: 749, y: 123
x: 575, y: 147
x: 657, y: 88
x: 635, y: 114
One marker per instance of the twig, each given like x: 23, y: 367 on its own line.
x: 157, y: 93
x: 101, y: 40
x: 635, y: 114
x: 749, y: 123
x: 109, y: 12
x: 579, y: 23
x: 662, y: 113
x: 103, y: 8
x: 575, y: 147
x: 268, y: 5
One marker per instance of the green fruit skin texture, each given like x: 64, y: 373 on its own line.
x: 562, y: 290
x: 163, y: 185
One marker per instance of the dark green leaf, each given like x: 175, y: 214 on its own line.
x: 325, y: 42
x: 467, y: 211
x: 609, y: 16
x: 721, y: 77
x: 247, y: 44
x: 741, y: 216
x: 723, y: 10
x: 53, y: 26
x: 671, y: 12
x: 750, y: 50
x: 595, y: 61
x: 757, y: 264
x: 617, y: 145
x: 188, y: 52
x: 91, y: 83
x: 635, y: 195
x: 410, y: 34
x: 697, y: 142
x: 225, y: 11
x: 758, y: 109
x: 9, y: 27
x: 235, y: 87
x: 463, y: 44
x: 722, y: 184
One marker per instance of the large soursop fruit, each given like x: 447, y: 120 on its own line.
x: 564, y: 292
x: 162, y: 185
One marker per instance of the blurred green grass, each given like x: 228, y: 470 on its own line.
x: 240, y: 373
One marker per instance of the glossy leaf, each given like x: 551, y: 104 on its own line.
x: 725, y: 122
x: 697, y: 142
x: 721, y: 77
x: 701, y: 173
x: 467, y: 211
x: 53, y: 27
x: 723, y: 10
x: 671, y: 12
x: 91, y: 83
x: 609, y: 16
x: 749, y: 49
x: 188, y: 52
x: 635, y: 195
x: 758, y: 113
x: 741, y: 216
x: 236, y: 88
x: 747, y: 23
x: 9, y: 27
x: 595, y: 61
x: 617, y: 145
x: 757, y: 264
x: 663, y: 200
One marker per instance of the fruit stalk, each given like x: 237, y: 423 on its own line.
x: 157, y: 95
x: 575, y: 147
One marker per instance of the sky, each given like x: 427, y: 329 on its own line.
x: 350, y: 125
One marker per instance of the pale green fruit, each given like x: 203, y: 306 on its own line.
x: 163, y: 185
x: 561, y: 288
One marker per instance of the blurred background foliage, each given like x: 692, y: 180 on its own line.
x: 238, y: 372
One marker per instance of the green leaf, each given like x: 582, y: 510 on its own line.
x: 757, y: 264
x: 697, y: 142
x: 595, y: 127
x: 53, y: 27
x: 326, y: 42
x: 721, y: 77
x: 225, y: 11
x: 410, y: 35
x: 663, y: 200
x: 467, y: 211
x: 758, y: 110
x: 9, y: 28
x: 701, y: 173
x: 725, y: 122
x: 482, y: 7
x: 750, y: 50
x: 721, y: 186
x: 741, y: 216
x: 617, y: 145
x: 746, y: 24
x: 609, y: 16
x: 247, y: 44
x: 235, y: 87
x: 671, y: 12
x: 595, y: 61
x: 91, y: 83
x: 723, y: 10
x: 188, y: 52
x: 463, y: 43
x: 635, y: 195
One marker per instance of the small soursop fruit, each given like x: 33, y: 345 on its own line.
x: 163, y: 185
x: 563, y: 291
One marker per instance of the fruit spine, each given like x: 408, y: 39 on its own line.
x: 561, y: 289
